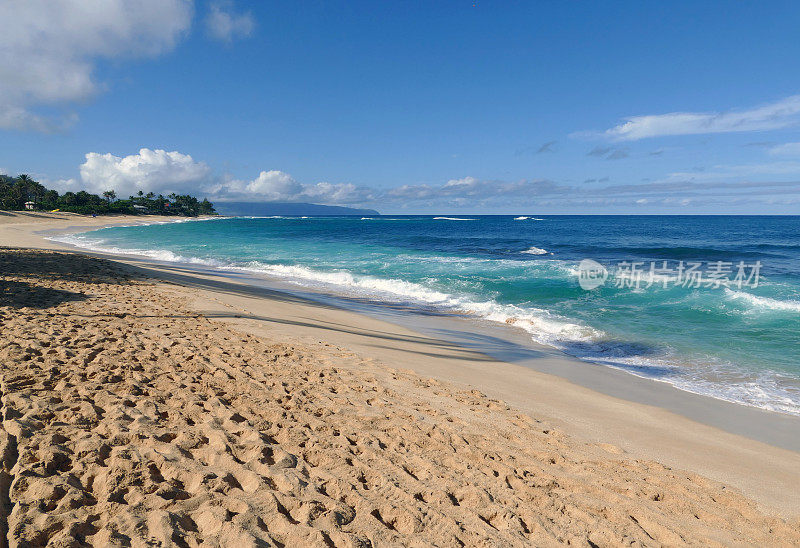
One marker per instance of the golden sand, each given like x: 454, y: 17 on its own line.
x: 130, y: 419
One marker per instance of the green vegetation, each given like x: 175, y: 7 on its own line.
x: 15, y: 192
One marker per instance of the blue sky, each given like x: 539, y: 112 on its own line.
x: 410, y: 107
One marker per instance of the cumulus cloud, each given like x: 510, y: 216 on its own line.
x: 222, y: 23
x: 48, y: 50
x: 278, y: 186
x: 775, y: 115
x: 274, y: 185
x: 163, y: 172
x: 339, y: 193
x: 65, y: 185
x: 155, y: 171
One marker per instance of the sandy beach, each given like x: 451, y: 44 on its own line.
x: 146, y: 404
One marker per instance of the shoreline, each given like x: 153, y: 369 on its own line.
x: 514, y: 345
x: 745, y: 447
x: 517, y: 340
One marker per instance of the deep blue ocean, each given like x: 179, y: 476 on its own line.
x: 710, y: 304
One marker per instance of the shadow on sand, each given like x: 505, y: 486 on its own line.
x: 36, y: 265
x: 25, y: 295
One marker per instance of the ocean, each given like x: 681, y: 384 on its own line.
x: 709, y: 304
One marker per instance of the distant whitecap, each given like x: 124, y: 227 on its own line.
x: 535, y: 251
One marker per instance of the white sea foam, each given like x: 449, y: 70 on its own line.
x: 763, y: 392
x: 544, y: 326
x: 364, y: 286
x: 269, y: 217
x: 146, y: 222
x: 98, y: 244
x: 452, y: 219
x: 172, y: 221
x: 521, y: 218
x: 762, y: 303
x: 723, y: 381
x: 535, y: 251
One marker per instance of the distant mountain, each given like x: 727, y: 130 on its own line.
x: 258, y: 209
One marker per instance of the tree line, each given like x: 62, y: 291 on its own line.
x: 15, y: 192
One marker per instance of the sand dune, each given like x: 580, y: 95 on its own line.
x: 129, y: 419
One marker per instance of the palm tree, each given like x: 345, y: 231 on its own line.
x: 110, y: 195
x: 26, y: 190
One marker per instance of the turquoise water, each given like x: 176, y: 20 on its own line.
x: 734, y: 341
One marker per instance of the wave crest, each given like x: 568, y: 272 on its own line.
x: 535, y: 251
x: 763, y: 303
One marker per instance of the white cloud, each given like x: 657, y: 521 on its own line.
x: 677, y: 189
x: 274, y: 185
x: 65, y: 185
x: 780, y: 169
x: 786, y: 149
x: 48, y: 49
x: 776, y: 115
x: 223, y: 24
x: 164, y: 172
x: 278, y: 186
x: 155, y: 171
x: 465, y: 189
x: 339, y: 193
